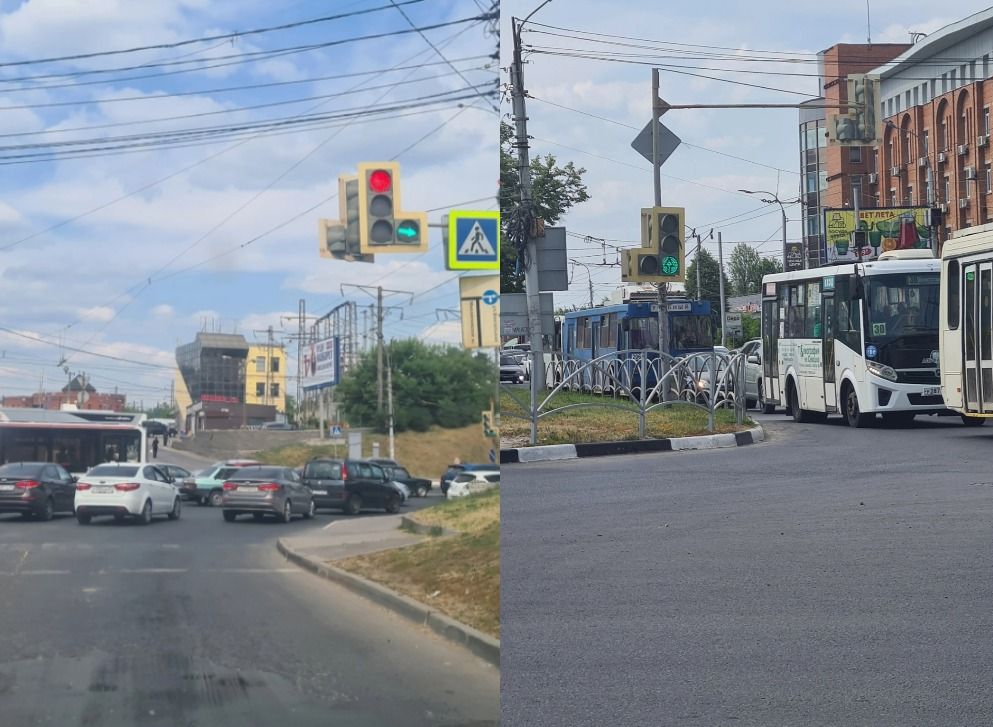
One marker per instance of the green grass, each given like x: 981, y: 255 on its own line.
x: 460, y: 575
x: 601, y: 424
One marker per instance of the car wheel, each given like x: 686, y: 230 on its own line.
x: 146, y: 513
x: 353, y: 505
x: 229, y: 516
x: 287, y: 514
x: 258, y: 516
x: 201, y: 501
x: 49, y: 512
x: 973, y: 421
x: 216, y: 498
x: 392, y: 504
x: 177, y: 509
x: 853, y: 414
x: 422, y: 491
x: 310, y: 511
x: 83, y: 518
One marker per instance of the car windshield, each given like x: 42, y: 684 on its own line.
x: 401, y: 473
x: 509, y: 360
x: 112, y: 470
x: 20, y: 469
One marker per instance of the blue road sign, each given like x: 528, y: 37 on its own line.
x: 474, y: 240
x: 490, y: 297
x: 335, y: 430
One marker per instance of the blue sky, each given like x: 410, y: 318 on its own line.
x: 127, y: 254
x: 702, y: 180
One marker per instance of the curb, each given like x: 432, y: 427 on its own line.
x: 483, y: 646
x: 636, y: 446
x: 421, y: 529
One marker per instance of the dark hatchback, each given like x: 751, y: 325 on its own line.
x: 36, y: 489
x: 350, y: 485
x: 418, y: 486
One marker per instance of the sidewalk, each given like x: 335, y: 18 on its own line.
x: 369, y: 534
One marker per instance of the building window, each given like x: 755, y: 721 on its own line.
x: 260, y: 365
x: 986, y: 66
x: 986, y: 121
x: 275, y: 365
x: 989, y: 179
x: 855, y: 154
x: 951, y: 79
x: 907, y: 99
x: 260, y: 389
x: 916, y: 97
x: 929, y: 192
x: 857, y: 191
x: 893, y: 199
x: 275, y: 390
x: 943, y: 134
x: 944, y: 82
x: 925, y: 144
x: 908, y: 198
x: 948, y: 191
x: 889, y: 154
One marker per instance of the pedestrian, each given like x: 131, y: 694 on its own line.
x: 155, y: 447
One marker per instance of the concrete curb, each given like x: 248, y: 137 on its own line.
x: 421, y: 529
x: 483, y: 646
x: 601, y: 449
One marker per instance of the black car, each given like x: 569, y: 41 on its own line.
x: 155, y: 428
x: 455, y: 469
x: 350, y: 485
x: 418, y: 486
x: 36, y: 489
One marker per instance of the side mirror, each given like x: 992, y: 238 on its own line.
x: 754, y: 359
x: 73, y: 479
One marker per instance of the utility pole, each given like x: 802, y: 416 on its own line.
x: 389, y: 389
x: 720, y: 283
x: 531, y: 286
x: 268, y: 368
x: 302, y: 312
x: 697, y: 236
x: 663, y: 288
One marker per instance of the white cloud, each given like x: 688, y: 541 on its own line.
x: 96, y: 313
x: 163, y: 311
x: 445, y: 332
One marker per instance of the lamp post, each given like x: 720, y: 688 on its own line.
x: 589, y: 277
x: 782, y: 209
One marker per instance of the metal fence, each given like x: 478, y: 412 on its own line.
x: 645, y: 378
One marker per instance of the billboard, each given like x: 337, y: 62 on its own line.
x: 887, y: 228
x: 321, y: 363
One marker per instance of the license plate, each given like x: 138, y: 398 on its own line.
x: 319, y: 492
x: 102, y: 490
x: 6, y: 488
x: 932, y: 391
x: 247, y: 488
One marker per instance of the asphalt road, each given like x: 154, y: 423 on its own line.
x: 202, y: 623
x: 827, y: 577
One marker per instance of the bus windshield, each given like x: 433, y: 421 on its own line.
x: 644, y: 333
x: 900, y: 305
x: 690, y: 333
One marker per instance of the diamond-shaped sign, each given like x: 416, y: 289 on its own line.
x: 667, y: 142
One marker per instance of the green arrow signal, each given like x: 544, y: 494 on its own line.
x: 409, y: 230
x: 670, y: 266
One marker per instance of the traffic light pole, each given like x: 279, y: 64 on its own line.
x: 663, y: 288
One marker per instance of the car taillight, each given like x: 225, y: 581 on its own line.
x: 344, y: 471
x: 230, y: 486
x: 127, y: 486
x: 27, y: 484
x: 83, y: 485
x: 269, y: 487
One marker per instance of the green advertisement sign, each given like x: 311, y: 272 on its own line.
x: 886, y: 228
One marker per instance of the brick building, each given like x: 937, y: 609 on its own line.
x: 77, y: 393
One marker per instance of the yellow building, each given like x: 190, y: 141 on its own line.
x: 265, y: 376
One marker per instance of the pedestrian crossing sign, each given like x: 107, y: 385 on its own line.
x: 473, y: 240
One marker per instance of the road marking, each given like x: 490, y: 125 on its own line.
x: 254, y: 570
x: 44, y: 572
x: 149, y: 570
x: 20, y: 563
x: 329, y: 524
x: 170, y: 545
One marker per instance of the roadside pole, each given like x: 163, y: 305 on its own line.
x: 663, y: 288
x: 389, y: 394
x: 720, y: 282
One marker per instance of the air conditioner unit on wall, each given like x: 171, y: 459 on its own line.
x: 963, y: 203
x: 872, y: 177
x: 941, y: 156
x: 894, y: 171
x: 981, y: 140
x: 970, y: 172
x: 943, y: 207
x: 962, y: 149
x: 922, y: 162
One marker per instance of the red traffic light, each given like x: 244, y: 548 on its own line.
x: 380, y: 181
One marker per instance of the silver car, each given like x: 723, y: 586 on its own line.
x: 265, y: 490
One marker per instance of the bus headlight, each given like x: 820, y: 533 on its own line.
x: 881, y: 370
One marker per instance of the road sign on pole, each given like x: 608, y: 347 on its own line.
x: 667, y: 142
x: 473, y: 240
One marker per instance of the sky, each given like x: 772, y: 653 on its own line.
x: 130, y: 243
x: 705, y: 39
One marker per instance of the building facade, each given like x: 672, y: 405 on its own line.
x: 213, y: 366
x: 77, y: 394
x: 265, y: 376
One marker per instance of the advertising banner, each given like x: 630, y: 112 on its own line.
x: 321, y: 360
x: 887, y: 228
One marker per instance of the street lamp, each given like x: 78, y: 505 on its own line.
x: 775, y: 198
x: 588, y: 275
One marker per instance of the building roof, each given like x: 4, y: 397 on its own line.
x: 938, y: 41
x: 231, y: 341
x: 77, y: 384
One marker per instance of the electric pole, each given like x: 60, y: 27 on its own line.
x: 389, y: 389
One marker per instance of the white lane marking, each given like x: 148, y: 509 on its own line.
x: 44, y: 572
x: 146, y: 571
x: 20, y: 563
x: 254, y: 570
x: 149, y: 570
x: 329, y: 524
x: 91, y: 589
x: 170, y: 545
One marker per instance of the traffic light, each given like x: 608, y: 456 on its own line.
x: 383, y: 226
x: 489, y: 424
x: 339, y: 239
x: 660, y: 260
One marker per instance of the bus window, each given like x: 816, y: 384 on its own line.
x: 644, y: 333
x: 953, y: 294
x: 812, y: 320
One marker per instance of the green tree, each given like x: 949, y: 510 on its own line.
x: 162, y: 410
x: 746, y: 268
x: 554, y: 189
x: 709, y: 280
x: 432, y: 385
x: 291, y: 408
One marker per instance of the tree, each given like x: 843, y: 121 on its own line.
x: 291, y: 408
x: 162, y: 410
x: 746, y: 268
x: 709, y: 280
x: 432, y: 385
x: 554, y: 189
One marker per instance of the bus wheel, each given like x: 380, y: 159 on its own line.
x: 973, y: 421
x: 763, y: 405
x: 853, y: 414
x: 800, y: 416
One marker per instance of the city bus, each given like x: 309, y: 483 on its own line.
x: 857, y: 339
x: 77, y: 439
x: 594, y: 332
x: 966, y: 318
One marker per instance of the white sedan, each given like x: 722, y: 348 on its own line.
x: 126, y: 490
x: 402, y: 489
x: 473, y: 482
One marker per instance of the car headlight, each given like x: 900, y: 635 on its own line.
x: 881, y: 370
